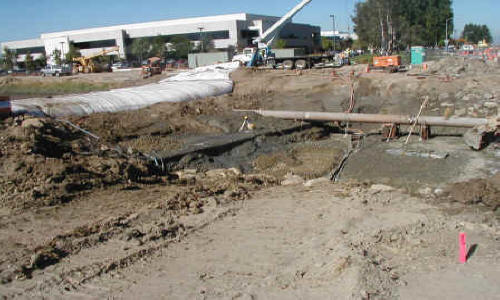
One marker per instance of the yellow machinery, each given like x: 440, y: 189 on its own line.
x: 87, y: 64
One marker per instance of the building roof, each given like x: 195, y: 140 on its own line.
x: 24, y: 43
x: 219, y: 18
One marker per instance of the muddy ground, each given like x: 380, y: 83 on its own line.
x: 172, y: 201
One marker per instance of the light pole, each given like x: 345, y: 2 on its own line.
x: 446, y: 38
x: 62, y: 49
x: 201, y: 40
x: 333, y: 32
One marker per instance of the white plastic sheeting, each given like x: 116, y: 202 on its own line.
x: 190, y: 85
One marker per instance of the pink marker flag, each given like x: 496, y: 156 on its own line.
x: 462, y: 247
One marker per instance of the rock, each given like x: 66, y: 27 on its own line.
x: 459, y: 95
x: 425, y: 191
x: 471, y: 110
x: 381, y: 188
x: 364, y: 294
x: 186, y: 174
x: 443, y: 96
x: 291, y: 179
x: 223, y: 172
x: 317, y: 181
x: 460, y: 112
x: 33, y: 123
x: 488, y: 96
x: 447, y: 104
x: 490, y: 104
x: 394, y: 276
x: 439, y: 192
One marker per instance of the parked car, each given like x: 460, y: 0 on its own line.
x: 120, y: 65
x: 54, y: 70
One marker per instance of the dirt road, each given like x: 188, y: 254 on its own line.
x: 319, y: 242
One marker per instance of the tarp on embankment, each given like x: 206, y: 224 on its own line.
x: 190, y: 85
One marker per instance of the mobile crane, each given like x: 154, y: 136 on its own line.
x: 87, y: 64
x: 262, y: 55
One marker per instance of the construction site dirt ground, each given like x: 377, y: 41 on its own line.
x: 173, y: 202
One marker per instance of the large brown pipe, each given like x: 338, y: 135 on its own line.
x: 372, y: 118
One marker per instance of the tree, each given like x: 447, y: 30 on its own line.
x: 73, y: 52
x: 30, y: 64
x: 140, y: 48
x: 280, y: 44
x: 390, y: 25
x: 181, y: 46
x: 56, y: 56
x: 473, y: 33
x: 158, y: 47
x: 41, y: 61
x: 9, y: 58
x: 346, y: 43
x: 208, y: 43
x: 326, y: 43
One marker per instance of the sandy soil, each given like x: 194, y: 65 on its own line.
x: 172, y: 202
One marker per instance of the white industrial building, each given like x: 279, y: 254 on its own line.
x: 224, y: 30
x: 343, y: 35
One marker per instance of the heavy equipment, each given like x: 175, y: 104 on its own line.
x: 153, y: 67
x: 86, y: 63
x: 262, y: 54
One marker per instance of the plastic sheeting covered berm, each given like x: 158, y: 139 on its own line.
x: 190, y: 85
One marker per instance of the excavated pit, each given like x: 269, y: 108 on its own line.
x: 77, y: 211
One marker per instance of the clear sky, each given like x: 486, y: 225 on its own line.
x: 26, y: 19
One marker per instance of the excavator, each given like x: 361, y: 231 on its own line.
x: 262, y: 55
x: 86, y: 63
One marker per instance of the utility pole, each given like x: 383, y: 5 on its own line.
x: 62, y: 49
x: 201, y: 39
x: 333, y: 33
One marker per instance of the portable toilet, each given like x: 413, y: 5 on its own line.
x: 417, y: 55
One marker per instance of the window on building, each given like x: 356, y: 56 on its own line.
x: 245, y: 33
x: 31, y: 50
x: 95, y: 44
x: 213, y: 35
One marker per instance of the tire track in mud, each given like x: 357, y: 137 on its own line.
x: 88, y: 251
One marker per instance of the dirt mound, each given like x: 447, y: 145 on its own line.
x: 476, y: 191
x: 461, y: 65
x: 44, y: 162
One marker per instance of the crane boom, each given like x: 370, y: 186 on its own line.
x: 269, y: 35
x: 86, y: 61
x: 103, y: 52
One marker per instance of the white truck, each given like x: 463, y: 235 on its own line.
x: 262, y: 55
x: 55, y: 70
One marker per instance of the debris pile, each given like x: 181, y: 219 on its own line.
x: 45, y: 162
x: 481, y: 191
x: 460, y: 65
